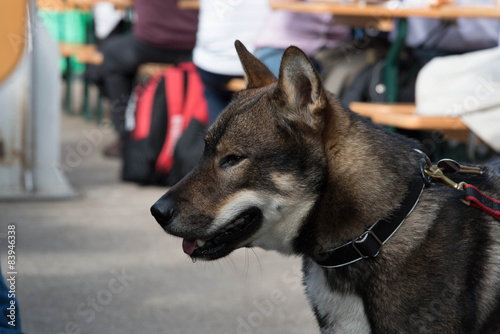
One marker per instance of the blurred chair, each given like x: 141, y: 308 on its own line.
x: 12, y: 32
x: 30, y: 96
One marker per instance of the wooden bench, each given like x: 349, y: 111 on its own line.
x: 89, y: 54
x: 83, y: 53
x: 152, y: 69
x: 235, y: 85
x: 58, y: 5
x: 403, y: 116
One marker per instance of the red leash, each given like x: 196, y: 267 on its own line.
x: 482, y: 202
x: 473, y: 196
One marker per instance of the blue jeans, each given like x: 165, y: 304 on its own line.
x: 271, y: 57
x: 216, y: 94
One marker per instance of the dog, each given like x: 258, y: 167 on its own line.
x: 385, y: 249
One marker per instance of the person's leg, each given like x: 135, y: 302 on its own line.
x: 119, y: 67
x: 215, y: 93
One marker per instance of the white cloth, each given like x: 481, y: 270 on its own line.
x: 465, y: 85
x: 221, y: 22
x: 106, y: 18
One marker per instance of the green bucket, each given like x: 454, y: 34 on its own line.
x: 74, y: 31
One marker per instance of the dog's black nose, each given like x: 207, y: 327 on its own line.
x: 163, y: 211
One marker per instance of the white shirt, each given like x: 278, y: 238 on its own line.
x: 221, y: 22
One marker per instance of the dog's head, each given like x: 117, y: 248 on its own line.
x: 262, y: 168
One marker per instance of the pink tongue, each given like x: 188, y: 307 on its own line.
x: 188, y: 246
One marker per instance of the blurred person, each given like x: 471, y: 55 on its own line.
x: 425, y: 39
x: 161, y: 33
x: 432, y: 37
x: 330, y: 46
x: 310, y: 32
x: 220, y: 24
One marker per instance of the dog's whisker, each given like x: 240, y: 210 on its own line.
x: 258, y: 261
x: 220, y: 266
x: 233, y: 264
x: 247, y: 264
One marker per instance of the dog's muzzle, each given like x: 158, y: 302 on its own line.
x: 182, y: 221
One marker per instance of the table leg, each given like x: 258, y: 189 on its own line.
x: 391, y: 69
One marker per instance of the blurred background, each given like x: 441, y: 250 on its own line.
x: 103, y: 106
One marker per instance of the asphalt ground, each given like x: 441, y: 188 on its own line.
x: 101, y: 264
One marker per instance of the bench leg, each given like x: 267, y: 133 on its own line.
x: 87, y: 111
x: 69, y: 79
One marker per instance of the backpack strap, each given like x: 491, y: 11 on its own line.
x: 195, y: 105
x: 143, y: 114
x: 174, y: 92
x: 185, y: 101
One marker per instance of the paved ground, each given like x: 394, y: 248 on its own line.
x: 100, y: 264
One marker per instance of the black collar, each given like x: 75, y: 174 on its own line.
x: 370, y: 242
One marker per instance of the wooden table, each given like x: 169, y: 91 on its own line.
x: 388, y: 10
x: 403, y: 116
x: 381, y: 16
x: 80, y: 4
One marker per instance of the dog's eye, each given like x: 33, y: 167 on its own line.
x: 230, y: 160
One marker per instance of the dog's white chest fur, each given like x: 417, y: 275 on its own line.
x: 342, y: 313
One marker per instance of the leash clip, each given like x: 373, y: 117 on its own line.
x: 437, y: 173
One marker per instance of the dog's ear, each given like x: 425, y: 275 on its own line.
x: 257, y: 74
x: 300, y: 86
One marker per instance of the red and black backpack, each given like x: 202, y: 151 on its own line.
x: 167, y: 118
